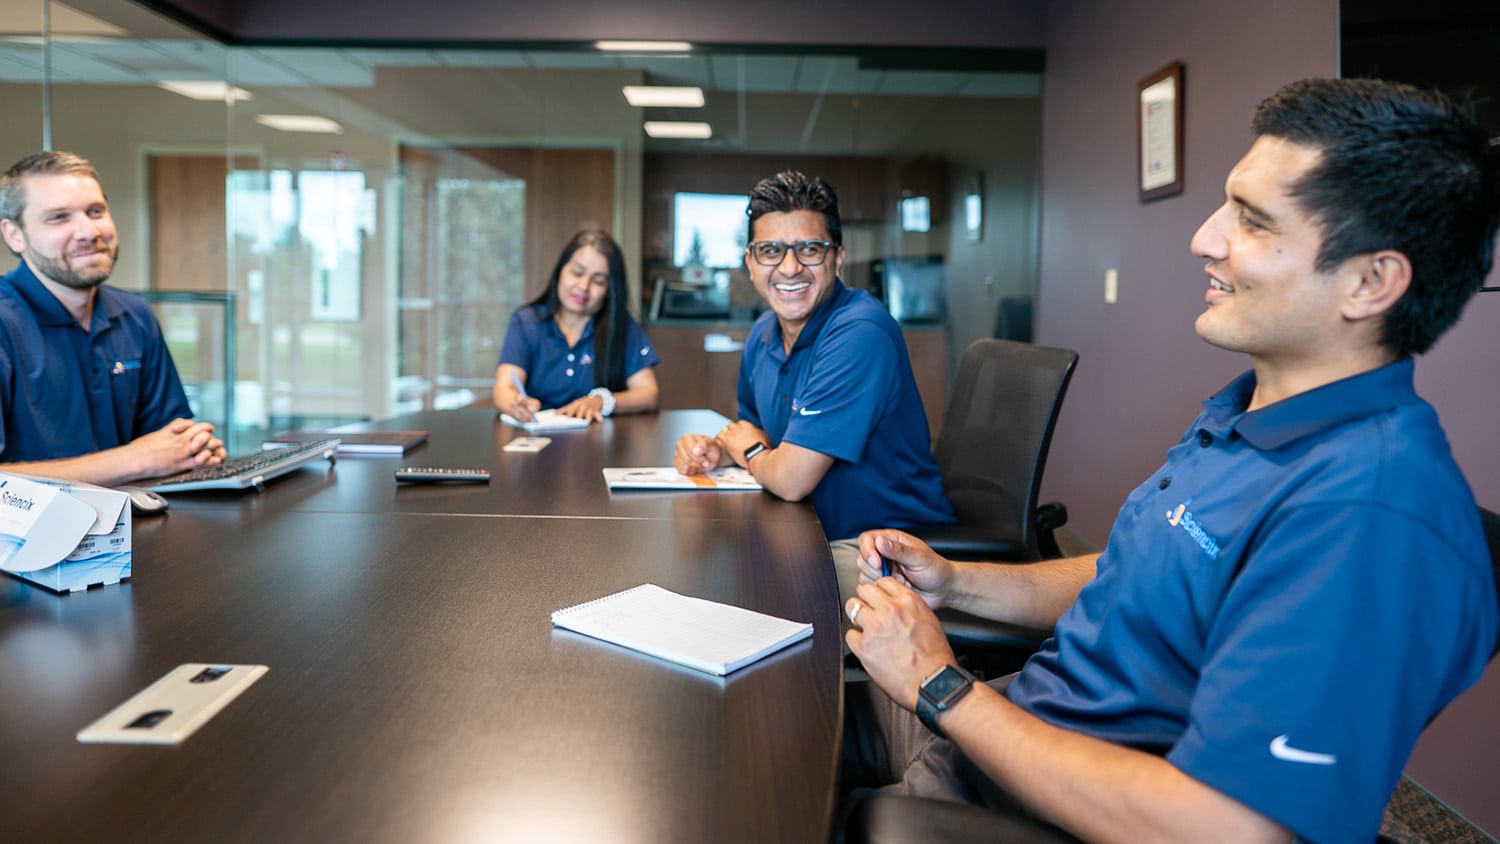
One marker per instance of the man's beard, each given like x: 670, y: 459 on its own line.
x: 63, y: 273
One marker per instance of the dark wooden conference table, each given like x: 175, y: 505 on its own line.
x: 417, y: 691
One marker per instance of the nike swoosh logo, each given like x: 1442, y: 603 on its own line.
x: 1285, y: 752
x: 805, y: 412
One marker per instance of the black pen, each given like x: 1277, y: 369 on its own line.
x: 885, y: 567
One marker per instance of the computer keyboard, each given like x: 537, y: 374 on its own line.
x: 251, y: 470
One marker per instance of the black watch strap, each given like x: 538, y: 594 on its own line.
x: 754, y: 450
x: 939, y: 692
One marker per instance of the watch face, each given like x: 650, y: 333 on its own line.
x: 943, y: 685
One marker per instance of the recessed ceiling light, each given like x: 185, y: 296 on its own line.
x: 678, y: 129
x: 644, y: 46
x: 205, y: 90
x: 663, y: 96
x: 300, y: 123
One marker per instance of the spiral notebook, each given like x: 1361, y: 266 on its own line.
x: 712, y: 637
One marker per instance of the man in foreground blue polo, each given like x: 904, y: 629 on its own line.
x: 1284, y: 605
x: 88, y: 390
x: 829, y: 408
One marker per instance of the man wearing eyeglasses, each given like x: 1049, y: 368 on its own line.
x: 828, y: 405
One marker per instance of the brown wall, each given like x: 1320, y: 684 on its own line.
x: 189, y: 243
x: 567, y: 191
x: 868, y: 187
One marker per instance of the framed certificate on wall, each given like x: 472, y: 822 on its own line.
x: 1159, y: 139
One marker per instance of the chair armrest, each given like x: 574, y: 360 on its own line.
x: 1049, y: 517
x: 893, y: 819
x: 965, y: 542
x: 976, y: 542
x: 971, y: 631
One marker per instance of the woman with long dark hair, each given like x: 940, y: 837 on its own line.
x: 576, y: 347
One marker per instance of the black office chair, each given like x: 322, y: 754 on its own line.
x: 888, y: 819
x: 992, y: 451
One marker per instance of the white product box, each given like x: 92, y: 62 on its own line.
x: 62, y: 535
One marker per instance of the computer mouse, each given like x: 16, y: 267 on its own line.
x: 144, y: 501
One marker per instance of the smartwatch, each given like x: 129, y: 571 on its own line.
x: 752, y: 451
x: 939, y: 692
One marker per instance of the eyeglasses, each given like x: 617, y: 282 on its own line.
x: 770, y: 253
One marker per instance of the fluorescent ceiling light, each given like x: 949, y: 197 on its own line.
x: 300, y: 123
x: 644, y: 46
x: 663, y: 96
x: 678, y: 129
x: 210, y: 90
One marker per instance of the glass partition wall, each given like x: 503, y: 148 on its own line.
x: 377, y: 214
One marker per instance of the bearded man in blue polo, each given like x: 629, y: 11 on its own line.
x: 88, y: 390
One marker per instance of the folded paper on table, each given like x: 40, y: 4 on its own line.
x: 712, y: 637
x: 62, y: 535
x: 546, y: 420
x: 665, y: 477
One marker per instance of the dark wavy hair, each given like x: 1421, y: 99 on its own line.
x: 789, y: 191
x: 1404, y: 169
x: 613, y: 319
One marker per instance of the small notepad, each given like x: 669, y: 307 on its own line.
x: 546, y: 421
x: 709, y: 636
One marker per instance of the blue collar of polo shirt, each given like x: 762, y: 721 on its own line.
x: 545, y: 312
x: 815, y: 323
x: 1346, y: 400
x: 50, y: 312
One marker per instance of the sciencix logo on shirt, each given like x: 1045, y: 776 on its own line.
x: 1182, y: 517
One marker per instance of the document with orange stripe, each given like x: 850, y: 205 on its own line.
x: 665, y: 477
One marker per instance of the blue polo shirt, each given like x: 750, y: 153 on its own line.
x: 1284, y: 605
x: 65, y: 391
x: 557, y: 373
x: 847, y: 391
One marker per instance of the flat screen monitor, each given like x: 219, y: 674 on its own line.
x: 913, y: 288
